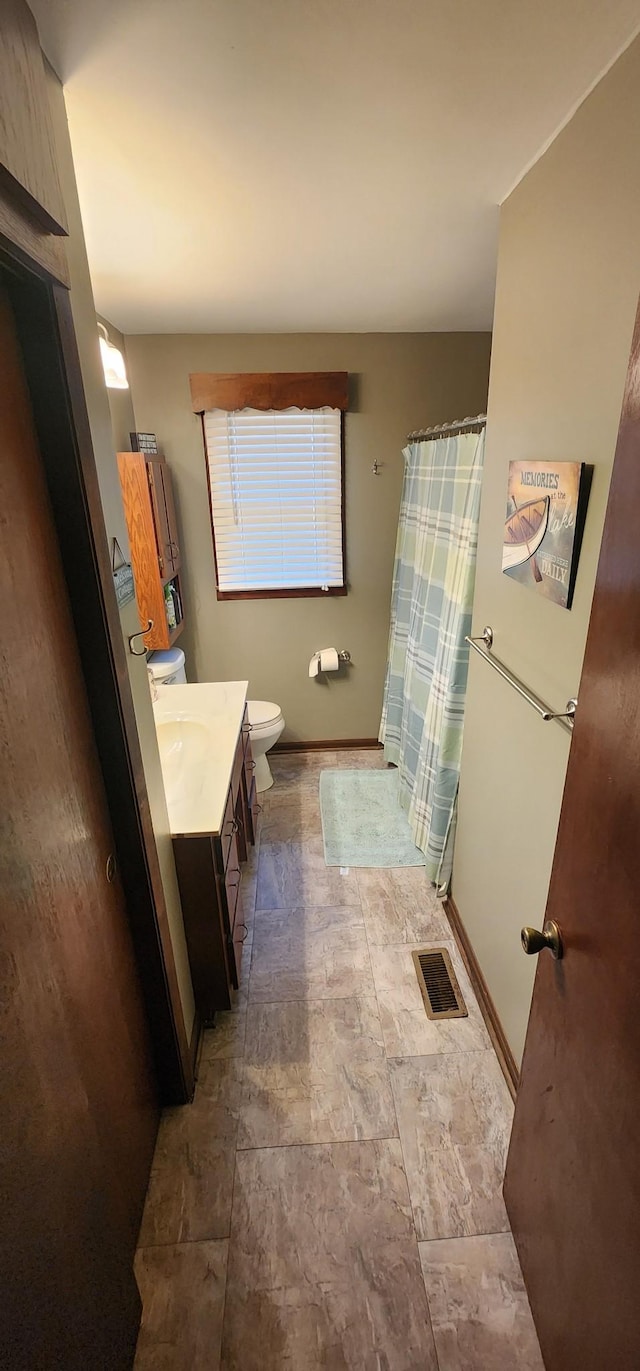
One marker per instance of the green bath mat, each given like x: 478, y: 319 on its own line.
x: 362, y: 822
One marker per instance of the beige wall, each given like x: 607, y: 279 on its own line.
x: 401, y: 381
x: 120, y: 401
x: 568, y: 282
x: 100, y: 419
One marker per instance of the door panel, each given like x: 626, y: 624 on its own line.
x: 78, y: 1092
x: 572, y: 1185
x: 160, y: 518
x: 172, y: 523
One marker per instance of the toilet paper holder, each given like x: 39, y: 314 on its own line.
x: 316, y: 669
x: 343, y: 657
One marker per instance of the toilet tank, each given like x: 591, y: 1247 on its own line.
x: 168, y: 666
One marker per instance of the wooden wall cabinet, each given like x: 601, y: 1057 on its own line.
x: 209, y: 869
x: 153, y: 536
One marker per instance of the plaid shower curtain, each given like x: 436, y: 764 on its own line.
x: 431, y: 604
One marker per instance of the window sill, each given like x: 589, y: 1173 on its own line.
x: 299, y: 593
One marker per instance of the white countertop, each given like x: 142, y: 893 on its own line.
x: 198, y: 728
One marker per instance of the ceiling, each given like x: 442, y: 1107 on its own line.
x: 312, y: 165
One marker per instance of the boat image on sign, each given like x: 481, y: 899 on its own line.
x: 524, y: 531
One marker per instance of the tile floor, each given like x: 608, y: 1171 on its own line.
x: 332, y: 1198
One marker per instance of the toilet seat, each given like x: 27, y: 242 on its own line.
x: 263, y: 715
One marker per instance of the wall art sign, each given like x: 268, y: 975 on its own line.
x: 144, y: 442
x: 122, y: 575
x: 546, y: 508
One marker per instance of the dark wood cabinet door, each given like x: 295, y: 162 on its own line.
x: 27, y: 153
x: 160, y: 519
x: 202, y: 891
x: 79, y: 1111
x: 164, y: 517
x: 170, y: 511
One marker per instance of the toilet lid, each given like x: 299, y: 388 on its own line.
x: 262, y: 711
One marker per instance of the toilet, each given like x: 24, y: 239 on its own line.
x: 267, y: 724
x: 167, y: 667
x: 265, y: 717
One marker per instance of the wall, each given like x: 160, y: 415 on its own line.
x: 400, y: 382
x: 100, y: 420
x: 120, y: 401
x: 568, y: 282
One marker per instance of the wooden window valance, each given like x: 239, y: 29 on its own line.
x: 268, y: 390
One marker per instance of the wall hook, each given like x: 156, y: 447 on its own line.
x: 376, y: 468
x: 141, y: 634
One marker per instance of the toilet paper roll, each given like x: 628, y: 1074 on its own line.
x: 329, y: 659
x: 314, y: 664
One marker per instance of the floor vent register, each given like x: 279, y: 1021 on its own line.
x: 437, y: 980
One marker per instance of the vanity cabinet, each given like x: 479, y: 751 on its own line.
x: 147, y: 494
x: 209, y: 868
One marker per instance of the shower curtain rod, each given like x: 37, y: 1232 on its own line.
x: 469, y: 425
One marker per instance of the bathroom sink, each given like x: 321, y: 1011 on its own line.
x: 183, y: 741
x: 198, y: 727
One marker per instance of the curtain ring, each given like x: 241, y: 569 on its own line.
x: 141, y: 634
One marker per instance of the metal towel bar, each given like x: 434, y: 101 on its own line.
x: 565, y: 719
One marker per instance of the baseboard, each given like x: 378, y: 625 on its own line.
x: 489, y: 1012
x: 326, y: 745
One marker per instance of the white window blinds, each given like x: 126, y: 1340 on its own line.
x: 275, y: 478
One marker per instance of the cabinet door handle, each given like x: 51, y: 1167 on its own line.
x: 235, y: 870
x: 251, y: 766
x: 246, y: 932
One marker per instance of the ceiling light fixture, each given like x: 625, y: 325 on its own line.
x: 115, y: 372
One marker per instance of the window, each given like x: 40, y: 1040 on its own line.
x: 275, y: 483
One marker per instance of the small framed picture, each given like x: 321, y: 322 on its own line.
x: 546, y: 508
x: 144, y: 442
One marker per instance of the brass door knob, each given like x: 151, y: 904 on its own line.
x: 533, y: 941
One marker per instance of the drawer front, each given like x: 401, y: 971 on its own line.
x: 232, y: 881
x: 236, y: 778
x: 230, y: 900
x: 246, y: 732
x: 253, y: 808
x: 239, y: 938
x: 249, y: 764
x: 228, y: 830
x: 242, y: 822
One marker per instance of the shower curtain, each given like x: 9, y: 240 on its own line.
x: 431, y: 603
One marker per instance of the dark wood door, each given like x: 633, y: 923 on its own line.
x: 79, y: 1111
x: 160, y: 517
x: 172, y: 522
x: 573, y: 1175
